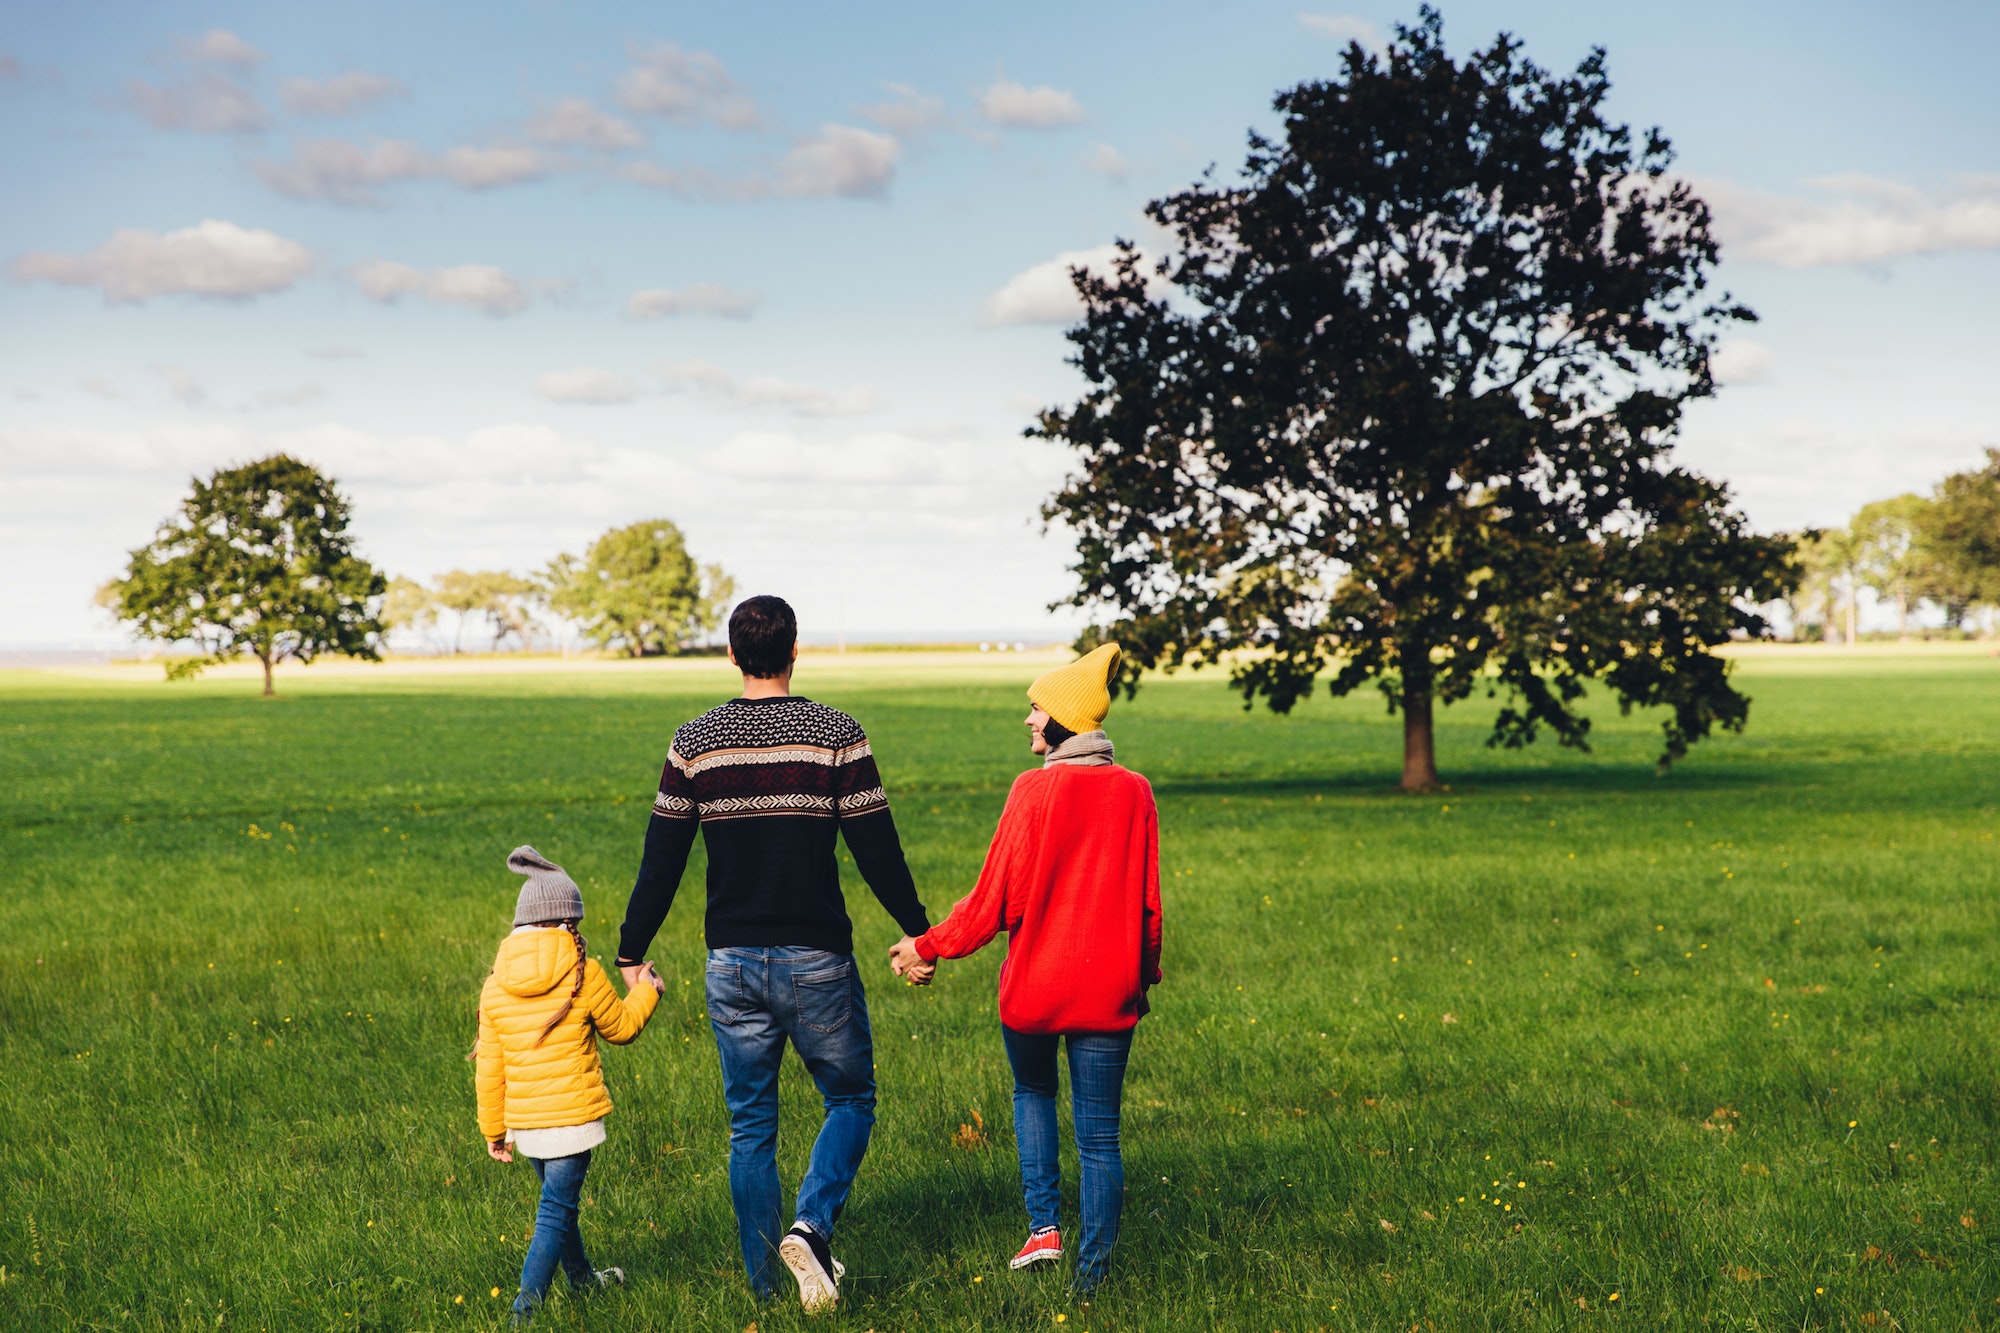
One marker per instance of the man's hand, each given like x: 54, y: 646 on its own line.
x: 907, y: 963
x: 651, y: 975
x: 500, y: 1150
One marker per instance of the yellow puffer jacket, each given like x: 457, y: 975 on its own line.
x: 525, y: 1083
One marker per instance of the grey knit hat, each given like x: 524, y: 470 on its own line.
x: 549, y: 894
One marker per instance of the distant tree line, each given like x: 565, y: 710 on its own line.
x: 1942, y: 549
x: 258, y: 559
x: 637, y: 591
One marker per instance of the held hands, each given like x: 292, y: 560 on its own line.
x: 637, y: 974
x: 907, y: 963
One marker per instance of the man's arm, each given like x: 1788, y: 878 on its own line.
x: 862, y: 808
x: 669, y: 838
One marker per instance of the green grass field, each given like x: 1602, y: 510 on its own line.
x: 1567, y: 1044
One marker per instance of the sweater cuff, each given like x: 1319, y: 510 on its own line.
x: 925, y: 949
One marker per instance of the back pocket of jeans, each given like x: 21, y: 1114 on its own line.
x: 825, y: 1000
x: 725, y: 992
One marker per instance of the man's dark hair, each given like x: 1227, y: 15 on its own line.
x: 762, y: 631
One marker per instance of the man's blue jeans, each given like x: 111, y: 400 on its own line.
x: 1096, y: 1089
x: 757, y: 999
x: 557, y: 1239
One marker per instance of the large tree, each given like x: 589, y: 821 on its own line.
x: 639, y: 590
x: 1398, y: 406
x: 258, y: 559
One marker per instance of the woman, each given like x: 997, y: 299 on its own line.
x: 1073, y: 877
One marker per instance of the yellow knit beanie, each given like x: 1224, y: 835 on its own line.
x: 1079, y: 695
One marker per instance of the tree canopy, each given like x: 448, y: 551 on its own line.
x: 1398, y: 407
x: 639, y: 590
x: 258, y: 559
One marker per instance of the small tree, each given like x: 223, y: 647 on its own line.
x: 407, y: 605
x: 640, y: 591
x: 1891, y: 555
x: 258, y: 559
x: 1405, y: 412
x: 1960, y: 541
x: 1832, y: 573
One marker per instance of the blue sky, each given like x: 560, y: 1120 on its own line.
x: 788, y: 274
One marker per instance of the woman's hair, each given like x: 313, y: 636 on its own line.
x: 1055, y: 733
x: 576, y: 987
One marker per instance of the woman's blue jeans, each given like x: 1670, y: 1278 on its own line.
x: 1096, y: 1088
x: 558, y: 1239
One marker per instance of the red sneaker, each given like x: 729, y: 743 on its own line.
x: 1044, y: 1246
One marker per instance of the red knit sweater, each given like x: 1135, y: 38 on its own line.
x: 1073, y: 877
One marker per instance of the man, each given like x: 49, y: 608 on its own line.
x: 769, y: 778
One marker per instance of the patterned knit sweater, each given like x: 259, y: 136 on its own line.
x: 769, y: 782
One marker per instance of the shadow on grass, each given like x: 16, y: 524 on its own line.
x: 1474, y: 782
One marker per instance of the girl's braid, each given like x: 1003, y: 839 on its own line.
x: 576, y: 987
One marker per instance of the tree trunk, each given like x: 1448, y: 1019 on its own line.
x: 1903, y: 614
x: 1419, y: 745
x: 1853, y: 597
x: 265, y: 658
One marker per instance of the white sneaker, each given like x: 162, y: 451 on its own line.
x: 818, y: 1273
x: 610, y: 1277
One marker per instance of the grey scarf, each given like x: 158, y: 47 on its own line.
x: 1088, y: 749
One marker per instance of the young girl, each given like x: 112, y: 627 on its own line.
x: 540, y: 1086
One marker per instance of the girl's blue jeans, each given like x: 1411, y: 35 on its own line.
x: 557, y: 1239
x: 1096, y: 1089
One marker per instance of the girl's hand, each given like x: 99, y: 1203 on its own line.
x: 499, y: 1151
x: 652, y: 976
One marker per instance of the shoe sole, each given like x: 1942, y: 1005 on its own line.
x: 817, y: 1291
x: 1021, y: 1261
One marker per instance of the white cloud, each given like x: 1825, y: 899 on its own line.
x: 688, y: 87
x: 213, y: 259
x: 347, y: 173
x: 574, y: 123
x: 1344, y: 28
x: 911, y: 115
x: 486, y: 168
x: 338, y: 94
x: 219, y: 46
x: 270, y: 400
x: 720, y: 387
x: 479, y: 287
x: 703, y: 298
x: 1045, y: 294
x: 1106, y: 161
x: 1741, y: 361
x: 880, y: 458
x: 585, y: 384
x: 840, y: 161
x: 1853, y: 220
x: 1019, y: 107
x: 334, y: 352
x: 205, y: 103
x: 182, y: 384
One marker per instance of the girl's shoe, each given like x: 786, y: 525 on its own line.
x: 1044, y: 1246
x: 609, y: 1277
